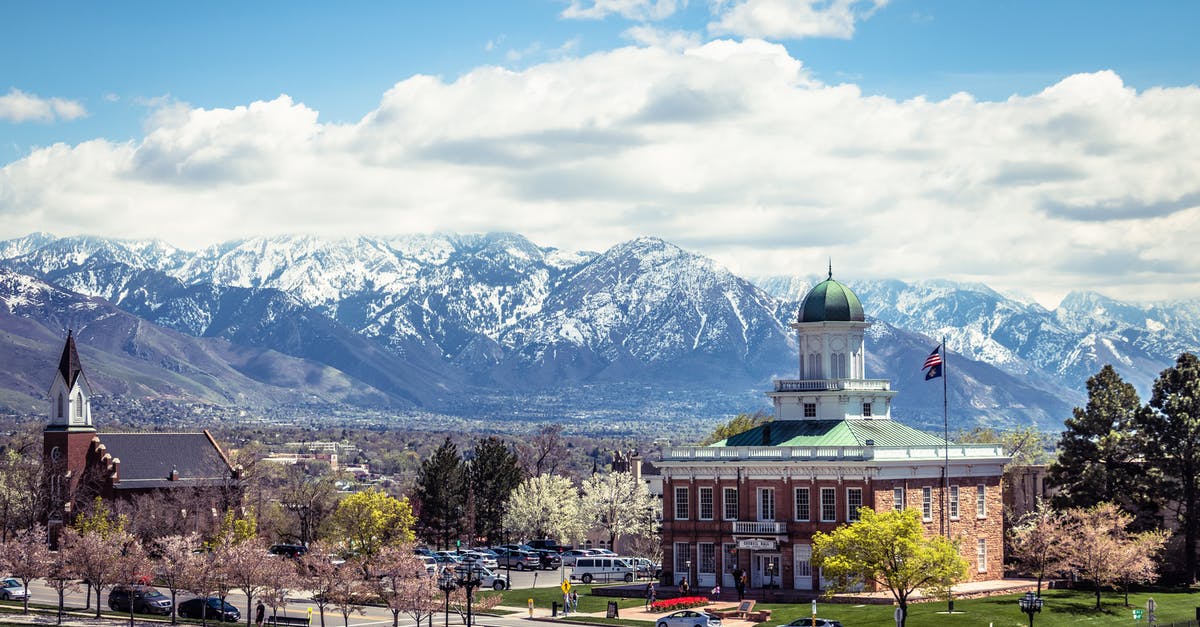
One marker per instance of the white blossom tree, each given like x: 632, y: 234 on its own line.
x: 618, y: 503
x: 545, y: 506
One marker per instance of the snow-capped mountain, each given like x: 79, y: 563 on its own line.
x: 446, y: 321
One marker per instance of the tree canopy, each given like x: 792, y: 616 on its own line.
x: 738, y: 424
x: 370, y: 519
x: 441, y: 495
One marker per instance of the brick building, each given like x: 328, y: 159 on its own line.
x: 82, y: 463
x: 755, y: 500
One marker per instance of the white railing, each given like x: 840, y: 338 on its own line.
x: 832, y: 453
x: 759, y: 527
x: 820, y: 385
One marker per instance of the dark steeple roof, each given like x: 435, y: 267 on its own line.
x: 830, y: 301
x: 68, y: 365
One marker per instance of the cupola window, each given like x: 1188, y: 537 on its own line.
x: 60, y: 405
x: 79, y: 404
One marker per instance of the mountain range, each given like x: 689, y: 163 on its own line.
x: 496, y: 327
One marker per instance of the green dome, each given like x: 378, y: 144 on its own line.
x: 830, y: 301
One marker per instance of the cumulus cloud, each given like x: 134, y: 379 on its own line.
x: 791, y: 19
x: 729, y: 148
x: 638, y: 10
x: 18, y: 106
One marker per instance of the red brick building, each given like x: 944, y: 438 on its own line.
x: 83, y: 463
x: 754, y: 501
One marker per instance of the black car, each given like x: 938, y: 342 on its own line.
x: 212, y: 608
x: 144, y: 599
x: 549, y: 559
x: 288, y: 550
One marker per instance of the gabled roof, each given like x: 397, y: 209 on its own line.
x: 881, y: 432
x: 147, y: 459
x: 68, y: 365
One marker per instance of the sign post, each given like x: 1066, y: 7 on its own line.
x: 814, y: 608
x: 530, y: 603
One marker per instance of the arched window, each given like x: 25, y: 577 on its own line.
x: 60, y: 405
x: 79, y: 404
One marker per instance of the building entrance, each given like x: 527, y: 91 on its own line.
x: 764, y: 571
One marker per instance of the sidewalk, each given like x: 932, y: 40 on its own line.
x: 630, y: 613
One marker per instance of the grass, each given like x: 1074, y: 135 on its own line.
x: 1062, y: 607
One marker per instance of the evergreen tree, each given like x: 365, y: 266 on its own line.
x: 1172, y: 445
x: 494, y: 473
x: 441, y: 492
x: 738, y: 424
x: 1099, y: 450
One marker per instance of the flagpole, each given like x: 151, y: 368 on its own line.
x: 946, y: 461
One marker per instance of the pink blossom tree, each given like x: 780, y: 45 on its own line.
x: 320, y: 574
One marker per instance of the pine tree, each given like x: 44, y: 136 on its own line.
x: 494, y: 473
x: 1098, y: 451
x: 1172, y: 445
x: 441, y: 493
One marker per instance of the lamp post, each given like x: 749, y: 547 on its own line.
x: 302, y: 512
x: 446, y: 584
x: 687, y: 575
x: 771, y: 573
x: 469, y: 578
x: 1030, y: 604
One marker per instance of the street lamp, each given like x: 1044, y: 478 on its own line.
x: 468, y: 578
x: 1030, y: 604
x: 446, y: 584
x: 687, y: 575
x: 771, y: 573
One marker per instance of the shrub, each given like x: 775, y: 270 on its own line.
x: 678, y: 603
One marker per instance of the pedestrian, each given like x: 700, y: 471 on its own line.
x: 650, y: 595
x: 566, y: 603
x: 739, y: 582
x: 684, y: 587
x: 260, y: 612
x: 716, y: 592
x: 574, y: 601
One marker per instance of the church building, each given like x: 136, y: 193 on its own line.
x: 754, y: 501
x: 82, y: 463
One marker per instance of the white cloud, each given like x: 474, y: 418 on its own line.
x: 638, y: 10
x: 727, y: 148
x: 677, y: 40
x: 18, y: 106
x: 791, y: 19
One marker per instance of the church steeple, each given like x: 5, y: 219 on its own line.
x: 68, y: 364
x: 70, y: 392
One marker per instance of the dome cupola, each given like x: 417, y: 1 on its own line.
x: 830, y: 301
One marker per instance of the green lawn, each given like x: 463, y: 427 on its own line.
x: 1062, y: 607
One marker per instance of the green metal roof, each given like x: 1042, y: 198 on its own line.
x: 832, y: 433
x: 830, y: 301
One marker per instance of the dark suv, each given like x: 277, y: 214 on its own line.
x: 288, y: 550
x: 144, y: 599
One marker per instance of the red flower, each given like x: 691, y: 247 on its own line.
x: 678, y: 603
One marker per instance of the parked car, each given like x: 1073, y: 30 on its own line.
x: 603, y: 553
x: 589, y: 569
x: 144, y: 599
x: 646, y: 568
x: 569, y: 557
x: 479, y: 559
x: 487, y: 578
x: 423, y: 551
x: 547, y: 545
x: 212, y: 607
x: 520, y: 560
x: 12, y: 590
x: 808, y: 622
x: 549, y: 560
x: 689, y: 618
x: 431, y: 564
x: 446, y: 558
x: 288, y: 550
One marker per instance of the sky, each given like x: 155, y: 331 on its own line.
x: 1038, y: 147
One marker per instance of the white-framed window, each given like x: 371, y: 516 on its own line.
x: 708, y: 557
x: 706, y: 503
x: 766, y: 503
x: 898, y: 499
x: 981, y: 501
x: 810, y: 410
x: 866, y: 410
x: 681, y: 503
x: 728, y: 558
x: 854, y: 500
x: 953, y: 502
x: 828, y: 505
x: 927, y: 503
x: 729, y: 500
x: 981, y: 554
x: 683, y: 554
x: 803, y: 506
x: 814, y: 366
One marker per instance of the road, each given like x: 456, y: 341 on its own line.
x: 42, y: 594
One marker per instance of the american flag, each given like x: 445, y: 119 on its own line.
x: 934, y: 358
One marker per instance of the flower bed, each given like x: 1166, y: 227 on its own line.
x: 678, y: 603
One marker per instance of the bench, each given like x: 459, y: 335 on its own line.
x: 743, y: 610
x: 288, y: 621
x: 760, y: 616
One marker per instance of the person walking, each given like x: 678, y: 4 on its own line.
x: 739, y: 582
x: 650, y: 595
x: 260, y: 613
x: 574, y: 601
x: 684, y: 587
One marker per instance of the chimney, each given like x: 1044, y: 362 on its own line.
x: 174, y: 476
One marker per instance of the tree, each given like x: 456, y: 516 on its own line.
x: 370, y: 520
x: 738, y: 424
x: 61, y: 575
x: 441, y: 495
x: 1103, y: 546
x: 309, y: 498
x: 1171, y: 436
x: 493, y: 474
x: 1041, y: 545
x: 545, y: 506
x: 320, y: 574
x: 174, y: 555
x: 27, y: 557
x: 244, y: 565
x: 545, y: 451
x: 22, y: 496
x: 1099, y: 450
x: 94, y: 557
x: 618, y: 503
x: 278, y: 577
x: 891, y: 550
x: 350, y: 594
x: 132, y: 566
x: 399, y: 579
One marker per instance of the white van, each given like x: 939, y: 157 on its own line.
x: 589, y: 569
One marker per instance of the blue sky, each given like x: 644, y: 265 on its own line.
x: 164, y: 94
